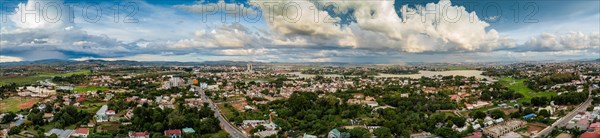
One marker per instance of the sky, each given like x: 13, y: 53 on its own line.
x: 352, y: 31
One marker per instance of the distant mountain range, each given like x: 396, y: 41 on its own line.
x: 224, y: 62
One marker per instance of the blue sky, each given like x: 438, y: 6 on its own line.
x: 379, y: 31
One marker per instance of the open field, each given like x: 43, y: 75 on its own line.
x: 225, y: 111
x: 15, y: 104
x: 90, y: 88
x: 518, y: 85
x: 38, y: 77
x: 21, y: 80
x: 457, y: 68
x: 83, y: 72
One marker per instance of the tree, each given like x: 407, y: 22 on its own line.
x: 459, y: 121
x: 158, y: 126
x: 176, y: 119
x: 544, y: 113
x: 383, y: 132
x: 257, y: 129
x: 10, y: 116
x: 479, y: 115
x: 497, y: 113
x: 539, y: 101
x: 359, y: 132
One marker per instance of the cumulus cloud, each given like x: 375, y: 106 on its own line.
x: 568, y: 41
x: 294, y: 30
x: 303, y: 21
x: 42, y: 14
x: 53, y: 34
x: 10, y: 59
x: 435, y: 27
x: 222, y: 36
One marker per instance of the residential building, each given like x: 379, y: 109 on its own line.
x: 81, y: 132
x: 174, y: 133
x: 144, y: 134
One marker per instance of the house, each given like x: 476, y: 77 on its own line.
x: 528, y: 116
x: 81, y: 132
x: 476, y: 135
x: 144, y: 134
x: 175, y: 133
x: 502, y: 129
x: 595, y: 134
x: 188, y: 130
x: 423, y: 135
x: 267, y: 133
x: 101, y: 114
x: 372, y: 103
x: 59, y: 132
x: 80, y: 99
x: 334, y: 133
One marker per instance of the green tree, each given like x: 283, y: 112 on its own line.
x: 544, y: 113
x: 383, y: 132
x: 478, y: 114
x: 359, y: 132
x: 497, y: 113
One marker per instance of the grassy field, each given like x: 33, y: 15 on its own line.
x: 90, y: 88
x: 518, y: 85
x: 21, y: 80
x: 83, y: 72
x: 15, y: 104
x: 38, y: 77
x: 225, y: 111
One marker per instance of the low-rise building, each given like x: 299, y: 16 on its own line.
x: 504, y: 127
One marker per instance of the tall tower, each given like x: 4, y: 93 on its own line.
x: 249, y: 67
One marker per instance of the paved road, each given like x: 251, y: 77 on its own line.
x: 225, y: 125
x: 564, y: 120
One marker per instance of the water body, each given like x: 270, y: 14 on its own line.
x: 466, y: 73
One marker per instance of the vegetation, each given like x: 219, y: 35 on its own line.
x: 156, y: 120
x: 14, y: 104
x: 90, y: 89
x: 518, y: 85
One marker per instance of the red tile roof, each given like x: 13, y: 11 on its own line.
x: 590, y: 135
x: 176, y: 132
x: 82, y: 131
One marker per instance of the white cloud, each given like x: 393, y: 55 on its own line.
x: 568, y: 41
x: 224, y: 36
x: 243, y: 52
x: 10, y: 59
x: 377, y: 34
x: 301, y: 21
x: 378, y: 26
x: 42, y: 14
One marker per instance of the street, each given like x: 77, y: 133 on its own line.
x: 564, y: 120
x: 225, y: 125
